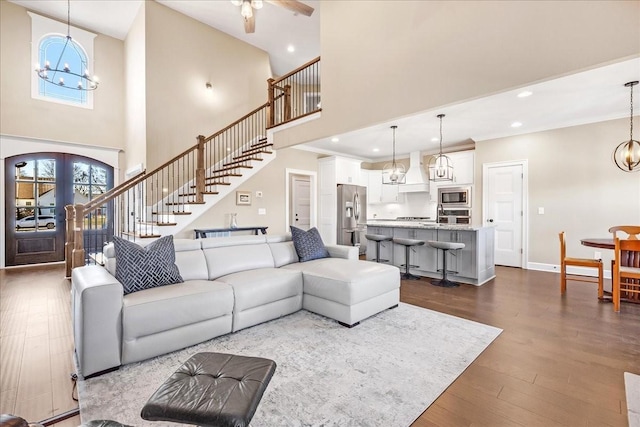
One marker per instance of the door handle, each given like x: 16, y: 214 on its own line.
x: 490, y: 220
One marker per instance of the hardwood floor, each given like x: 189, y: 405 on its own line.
x: 36, y: 343
x: 559, y: 361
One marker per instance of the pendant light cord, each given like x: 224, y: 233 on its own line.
x: 441, y: 135
x: 631, y: 117
x: 68, y: 18
x: 393, y: 162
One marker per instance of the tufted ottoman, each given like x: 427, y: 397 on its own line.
x: 212, y: 389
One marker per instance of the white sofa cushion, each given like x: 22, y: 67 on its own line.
x: 190, y: 259
x: 227, y: 255
x: 262, y: 286
x: 283, y: 253
x: 346, y: 281
x: 168, y: 307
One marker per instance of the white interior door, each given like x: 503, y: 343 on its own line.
x: 301, y: 202
x: 504, y: 202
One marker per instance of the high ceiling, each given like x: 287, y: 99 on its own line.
x: 590, y: 96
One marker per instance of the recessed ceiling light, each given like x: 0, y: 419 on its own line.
x: 435, y: 139
x: 335, y: 139
x: 291, y: 48
x: 524, y: 94
x: 516, y: 124
x: 375, y: 150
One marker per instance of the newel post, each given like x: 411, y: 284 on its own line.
x: 200, y: 176
x: 271, y: 109
x: 287, y: 103
x: 77, y: 253
x: 68, y: 240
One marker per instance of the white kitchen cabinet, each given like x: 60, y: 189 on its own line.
x: 377, y: 192
x: 390, y: 193
x: 347, y: 170
x: 374, y: 186
x: 463, y: 167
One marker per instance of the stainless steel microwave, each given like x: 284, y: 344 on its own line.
x: 454, y: 197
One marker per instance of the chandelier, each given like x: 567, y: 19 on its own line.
x: 394, y: 173
x: 627, y: 155
x: 440, y: 166
x: 56, y: 75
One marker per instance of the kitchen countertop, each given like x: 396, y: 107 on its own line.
x: 423, y: 225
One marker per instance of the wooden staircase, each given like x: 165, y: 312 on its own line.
x: 165, y: 200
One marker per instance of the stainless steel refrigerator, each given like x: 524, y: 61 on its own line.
x: 352, y: 215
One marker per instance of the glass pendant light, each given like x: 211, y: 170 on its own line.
x: 440, y: 167
x: 394, y: 173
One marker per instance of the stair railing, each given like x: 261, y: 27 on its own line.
x: 294, y: 95
x: 138, y: 207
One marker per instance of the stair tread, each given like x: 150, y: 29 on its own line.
x: 172, y: 213
x: 184, y: 203
x: 141, y: 236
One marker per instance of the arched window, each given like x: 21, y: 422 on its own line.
x: 51, y: 47
x: 48, y: 38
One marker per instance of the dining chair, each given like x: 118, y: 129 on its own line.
x: 578, y: 262
x: 626, y: 269
x: 633, y: 231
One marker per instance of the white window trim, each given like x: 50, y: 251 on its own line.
x: 42, y: 27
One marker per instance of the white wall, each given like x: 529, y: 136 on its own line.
x: 573, y: 177
x: 22, y: 115
x: 182, y: 55
x: 387, y: 59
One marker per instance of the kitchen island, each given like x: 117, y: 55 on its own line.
x: 473, y: 265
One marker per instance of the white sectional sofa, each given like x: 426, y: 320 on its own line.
x: 230, y: 283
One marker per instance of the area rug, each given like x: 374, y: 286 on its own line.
x: 384, y: 372
x: 632, y: 389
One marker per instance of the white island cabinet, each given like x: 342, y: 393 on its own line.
x: 473, y: 265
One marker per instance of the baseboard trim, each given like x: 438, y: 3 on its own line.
x: 579, y: 271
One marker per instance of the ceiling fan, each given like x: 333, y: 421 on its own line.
x: 247, y: 6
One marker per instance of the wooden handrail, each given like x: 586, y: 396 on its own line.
x: 116, y: 191
x: 246, y: 116
x: 291, y: 73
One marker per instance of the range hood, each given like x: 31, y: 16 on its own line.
x: 416, y: 177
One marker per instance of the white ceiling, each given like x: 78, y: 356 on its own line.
x: 585, y: 97
x: 276, y: 27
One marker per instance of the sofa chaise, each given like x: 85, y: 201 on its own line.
x: 230, y: 283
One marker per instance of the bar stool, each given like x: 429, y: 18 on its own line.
x: 378, y: 238
x: 445, y: 246
x: 408, y: 243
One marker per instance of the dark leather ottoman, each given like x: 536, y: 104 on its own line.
x: 213, y: 390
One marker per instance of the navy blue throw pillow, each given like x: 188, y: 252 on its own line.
x: 308, y: 244
x: 139, y: 268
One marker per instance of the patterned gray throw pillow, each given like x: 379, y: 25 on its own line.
x: 308, y: 244
x: 139, y: 268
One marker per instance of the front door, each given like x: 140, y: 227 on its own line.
x: 504, y: 210
x: 38, y: 186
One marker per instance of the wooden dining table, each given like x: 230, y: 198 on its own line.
x: 602, y: 243
x: 608, y: 243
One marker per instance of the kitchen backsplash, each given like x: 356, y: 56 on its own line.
x: 415, y: 204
